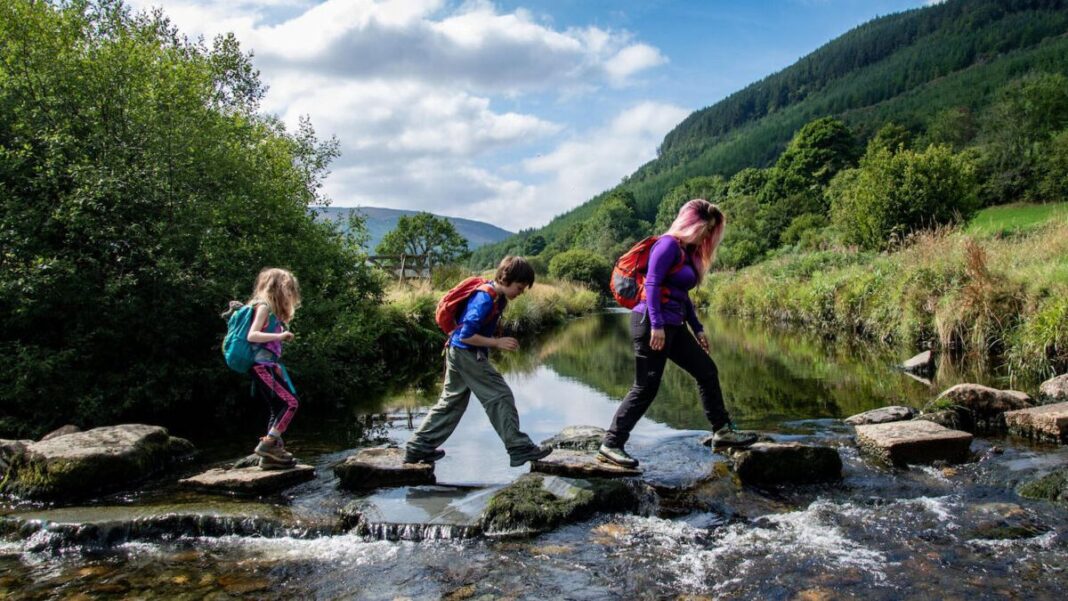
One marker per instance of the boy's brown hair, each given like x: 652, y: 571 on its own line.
x: 514, y: 270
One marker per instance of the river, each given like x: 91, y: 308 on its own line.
x: 952, y: 532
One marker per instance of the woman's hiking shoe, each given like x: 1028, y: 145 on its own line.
x: 410, y: 457
x: 617, y: 456
x: 271, y: 448
x: 266, y: 463
x: 533, y: 454
x: 727, y: 436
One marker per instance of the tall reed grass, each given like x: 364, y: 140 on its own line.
x: 975, y: 294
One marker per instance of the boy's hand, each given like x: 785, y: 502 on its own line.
x: 286, y: 336
x: 507, y: 343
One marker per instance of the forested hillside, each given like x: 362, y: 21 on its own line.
x: 935, y: 72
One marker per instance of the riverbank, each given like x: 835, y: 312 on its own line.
x: 547, y: 304
x: 996, y: 289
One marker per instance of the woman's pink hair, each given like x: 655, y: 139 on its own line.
x: 699, y: 226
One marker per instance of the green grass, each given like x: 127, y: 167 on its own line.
x: 1015, y: 219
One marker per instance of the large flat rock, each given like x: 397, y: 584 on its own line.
x: 580, y: 464
x: 82, y: 463
x: 1046, y: 422
x: 787, y: 463
x: 536, y: 503
x: 915, y: 441
x: 415, y: 513
x: 374, y: 468
x: 249, y: 480
x: 577, y: 438
x: 882, y: 415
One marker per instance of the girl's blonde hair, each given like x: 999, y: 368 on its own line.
x: 279, y: 289
x: 699, y: 225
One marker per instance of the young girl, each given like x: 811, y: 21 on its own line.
x: 276, y: 297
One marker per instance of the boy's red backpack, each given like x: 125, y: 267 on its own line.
x: 455, y: 300
x: 628, y: 275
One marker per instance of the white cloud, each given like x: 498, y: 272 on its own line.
x: 413, y: 90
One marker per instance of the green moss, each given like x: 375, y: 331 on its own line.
x: 527, y: 507
x: 1051, y: 487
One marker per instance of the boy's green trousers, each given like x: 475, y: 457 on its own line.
x: 464, y: 374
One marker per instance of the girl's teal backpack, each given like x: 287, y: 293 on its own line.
x: 239, y: 353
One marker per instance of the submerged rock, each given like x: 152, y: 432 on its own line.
x: 249, y: 480
x: 1054, y: 390
x: 98, y: 460
x: 882, y: 415
x: 373, y: 468
x: 577, y: 438
x: 922, y: 364
x: 915, y: 441
x: 580, y: 464
x: 1046, y: 422
x: 986, y: 406
x: 537, y: 503
x: 1051, y: 487
x: 787, y: 463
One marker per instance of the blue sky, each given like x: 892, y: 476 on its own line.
x: 511, y: 111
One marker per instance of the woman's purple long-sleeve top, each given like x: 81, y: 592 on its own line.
x: 677, y: 307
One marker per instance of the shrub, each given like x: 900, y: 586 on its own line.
x: 892, y: 195
x: 582, y: 266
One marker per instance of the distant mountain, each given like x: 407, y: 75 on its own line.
x: 904, y: 67
x: 380, y: 221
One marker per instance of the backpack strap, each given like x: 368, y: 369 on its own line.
x: 491, y: 290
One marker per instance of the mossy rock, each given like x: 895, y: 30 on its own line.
x: 1051, y: 487
x: 537, y: 503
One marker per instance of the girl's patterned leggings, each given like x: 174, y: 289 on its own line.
x: 269, y: 385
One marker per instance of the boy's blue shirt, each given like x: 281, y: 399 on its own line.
x: 474, y: 319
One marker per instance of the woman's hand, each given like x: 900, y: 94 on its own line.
x: 702, y: 340
x: 656, y: 339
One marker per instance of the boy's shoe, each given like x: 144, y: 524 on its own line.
x: 266, y: 463
x: 727, y: 436
x: 533, y: 454
x: 616, y: 455
x: 435, y: 455
x: 270, y: 448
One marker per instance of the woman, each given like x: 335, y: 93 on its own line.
x: 678, y: 262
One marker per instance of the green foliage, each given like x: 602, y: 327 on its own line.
x: 712, y: 189
x: 612, y: 228
x: 1053, y: 185
x: 583, y: 266
x: 534, y: 245
x: 140, y: 191
x: 444, y: 277
x: 425, y: 234
x: 955, y: 127
x: 891, y: 137
x: 892, y: 195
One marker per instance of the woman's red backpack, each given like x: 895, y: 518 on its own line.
x: 455, y: 300
x: 628, y: 275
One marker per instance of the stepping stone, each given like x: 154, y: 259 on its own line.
x: 883, y: 415
x: 374, y: 468
x: 580, y: 464
x: 922, y: 364
x: 782, y: 463
x: 1046, y: 422
x: 986, y: 405
x: 578, y: 438
x: 915, y: 441
x: 249, y: 480
x: 1054, y: 390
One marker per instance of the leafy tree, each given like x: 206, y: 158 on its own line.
x: 712, y: 189
x: 425, y: 234
x: 817, y: 151
x: 612, y: 228
x: 891, y: 195
x: 140, y: 190
x: 955, y: 127
x: 1054, y: 184
x: 892, y: 137
x: 747, y: 182
x: 583, y: 266
x: 534, y: 245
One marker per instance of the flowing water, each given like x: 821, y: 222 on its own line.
x: 927, y: 532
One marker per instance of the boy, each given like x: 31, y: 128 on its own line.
x: 467, y: 370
